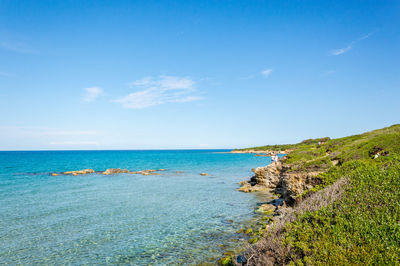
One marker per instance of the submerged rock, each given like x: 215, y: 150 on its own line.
x: 204, y: 174
x: 79, y: 172
x: 225, y: 261
x: 111, y: 171
x: 146, y: 172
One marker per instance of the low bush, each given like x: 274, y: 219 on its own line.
x: 355, y: 214
x: 361, y: 228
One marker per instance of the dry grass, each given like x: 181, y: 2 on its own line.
x: 270, y: 250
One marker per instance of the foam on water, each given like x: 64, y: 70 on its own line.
x: 127, y: 219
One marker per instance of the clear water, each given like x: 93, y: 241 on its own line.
x: 174, y: 218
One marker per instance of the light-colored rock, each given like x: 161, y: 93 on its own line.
x: 277, y: 177
x: 265, y: 209
x: 146, y: 172
x: 265, y: 179
x: 295, y: 183
x: 267, y: 176
x: 113, y: 171
x: 143, y: 173
x: 247, y: 187
x: 79, y: 172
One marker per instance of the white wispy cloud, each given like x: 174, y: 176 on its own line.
x: 350, y: 45
x: 17, y: 47
x: 266, y: 72
x: 342, y: 50
x: 161, y: 90
x: 92, y: 93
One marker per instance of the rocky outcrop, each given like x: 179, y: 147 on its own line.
x: 147, y: 172
x: 204, y: 174
x: 110, y: 171
x: 265, y: 209
x: 79, y: 172
x: 265, y: 179
x: 279, y: 179
x: 295, y: 183
x: 113, y: 171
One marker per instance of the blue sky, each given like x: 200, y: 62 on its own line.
x: 194, y: 74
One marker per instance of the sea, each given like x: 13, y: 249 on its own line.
x: 178, y: 217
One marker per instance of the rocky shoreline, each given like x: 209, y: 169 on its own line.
x: 280, y: 179
x: 260, y: 152
x: 332, y: 198
x: 277, y: 179
x: 286, y: 185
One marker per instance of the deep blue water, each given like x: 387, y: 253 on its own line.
x: 127, y: 219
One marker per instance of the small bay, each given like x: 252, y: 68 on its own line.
x: 178, y: 217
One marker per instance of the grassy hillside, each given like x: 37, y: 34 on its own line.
x: 360, y: 228
x: 363, y: 225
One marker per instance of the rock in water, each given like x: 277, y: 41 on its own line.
x: 264, y: 179
x: 241, y: 259
x: 146, y: 172
x: 204, y: 174
x: 113, y: 171
x: 79, y: 172
x: 265, y: 209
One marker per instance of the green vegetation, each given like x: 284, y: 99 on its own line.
x: 363, y: 225
x: 226, y: 261
x: 322, y: 153
x: 361, y: 228
x: 282, y: 147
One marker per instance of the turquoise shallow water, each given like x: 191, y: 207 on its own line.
x: 121, y: 219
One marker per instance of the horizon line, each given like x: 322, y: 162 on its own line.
x: 188, y: 149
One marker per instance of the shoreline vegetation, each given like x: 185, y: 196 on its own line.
x: 337, y: 202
